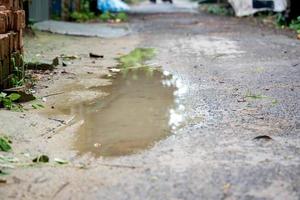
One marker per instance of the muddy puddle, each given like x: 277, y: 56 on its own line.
x: 139, y: 110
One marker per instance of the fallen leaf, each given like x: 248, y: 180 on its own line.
x: 4, y: 144
x: 60, y: 161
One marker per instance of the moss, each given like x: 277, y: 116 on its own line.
x: 136, y: 58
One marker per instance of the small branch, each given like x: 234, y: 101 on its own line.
x: 54, y: 94
x: 60, y: 189
x: 58, y: 120
x: 119, y: 166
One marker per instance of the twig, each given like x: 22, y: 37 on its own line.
x: 58, y: 120
x: 60, y: 189
x: 54, y: 94
x: 119, y: 166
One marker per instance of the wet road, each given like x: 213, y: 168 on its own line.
x: 241, y: 82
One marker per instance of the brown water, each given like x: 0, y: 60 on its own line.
x: 134, y: 116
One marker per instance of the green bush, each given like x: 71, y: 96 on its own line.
x: 82, y: 16
x: 122, y: 16
x: 218, y: 9
x: 295, y: 24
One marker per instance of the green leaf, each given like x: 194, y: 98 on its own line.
x: 2, y: 95
x: 41, y: 159
x: 14, y: 96
x: 60, y: 161
x: 4, y: 145
x: 7, y: 103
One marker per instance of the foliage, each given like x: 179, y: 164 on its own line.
x: 218, y: 9
x: 8, y: 101
x: 122, y: 16
x: 295, y: 24
x: 105, y: 16
x: 17, y: 78
x: 280, y: 19
x: 84, y: 14
x: 118, y: 17
x: 5, y: 144
x: 137, y: 57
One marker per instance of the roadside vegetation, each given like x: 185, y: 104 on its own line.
x: 85, y: 14
x: 223, y: 9
x: 277, y: 20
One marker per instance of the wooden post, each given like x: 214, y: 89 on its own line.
x: 65, y: 9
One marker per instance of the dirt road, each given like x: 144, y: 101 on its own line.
x: 237, y: 82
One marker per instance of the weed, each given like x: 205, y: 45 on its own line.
x: 5, y: 144
x: 84, y: 14
x: 218, y: 9
x: 295, y: 25
x: 122, y: 16
x: 105, y: 16
x: 18, y: 78
x: 280, y: 20
x: 8, y: 101
x: 117, y: 17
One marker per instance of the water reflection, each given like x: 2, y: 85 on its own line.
x: 177, y: 113
x: 143, y: 107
